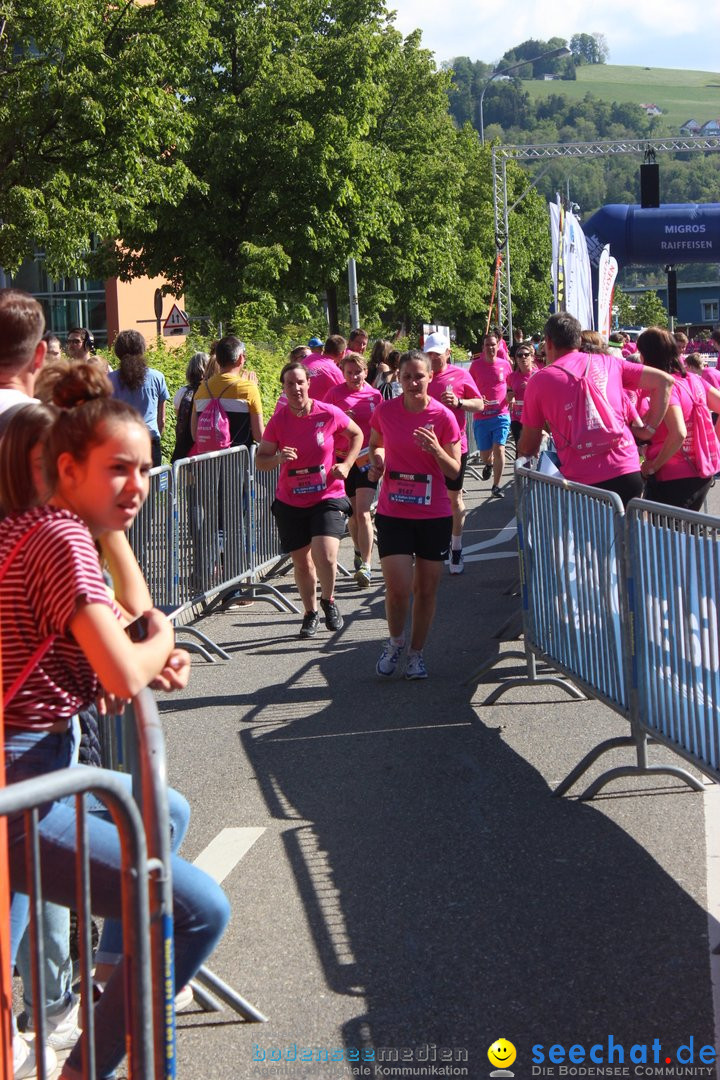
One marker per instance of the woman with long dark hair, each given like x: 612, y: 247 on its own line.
x: 676, y: 472
x: 141, y: 386
x: 183, y: 404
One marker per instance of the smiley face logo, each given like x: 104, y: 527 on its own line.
x: 502, y: 1053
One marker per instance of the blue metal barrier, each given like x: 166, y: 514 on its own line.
x: 151, y: 537
x: 674, y: 582
x: 578, y: 616
x: 29, y: 796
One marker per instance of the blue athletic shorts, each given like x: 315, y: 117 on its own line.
x: 491, y: 432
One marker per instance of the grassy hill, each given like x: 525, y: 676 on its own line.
x: 681, y: 95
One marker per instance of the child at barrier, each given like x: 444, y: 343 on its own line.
x: 61, y: 636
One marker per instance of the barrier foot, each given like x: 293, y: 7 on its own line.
x: 274, y: 597
x: 343, y: 570
x: 590, y: 758
x: 490, y: 664
x: 226, y: 993
x: 195, y: 647
x: 206, y: 646
x: 547, y: 680
x: 637, y: 770
x: 205, y: 1000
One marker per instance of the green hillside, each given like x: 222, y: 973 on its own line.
x: 682, y: 95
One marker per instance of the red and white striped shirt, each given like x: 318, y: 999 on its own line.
x: 52, y: 576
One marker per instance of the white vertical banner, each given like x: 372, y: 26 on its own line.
x: 607, y: 272
x: 558, y: 271
x: 572, y: 278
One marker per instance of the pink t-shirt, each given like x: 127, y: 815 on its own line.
x: 546, y: 397
x: 359, y: 405
x: 413, y: 484
x: 491, y: 381
x: 463, y: 385
x: 681, y: 464
x: 307, y: 480
x: 517, y: 381
x: 324, y: 374
x: 711, y: 375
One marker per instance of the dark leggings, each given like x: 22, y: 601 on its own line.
x: 687, y: 493
x: 628, y: 486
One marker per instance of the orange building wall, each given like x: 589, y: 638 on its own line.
x: 130, y: 306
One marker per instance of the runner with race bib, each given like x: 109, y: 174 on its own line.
x: 414, y: 447
x: 310, y: 506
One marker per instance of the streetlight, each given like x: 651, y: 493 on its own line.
x: 562, y: 51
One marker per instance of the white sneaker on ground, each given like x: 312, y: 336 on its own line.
x: 184, y: 998
x: 24, y: 1063
x: 416, y: 667
x: 456, y: 565
x: 62, y: 1027
x: 388, y: 661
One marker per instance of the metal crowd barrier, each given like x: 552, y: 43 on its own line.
x: 674, y: 583
x: 151, y: 536
x: 28, y: 796
x: 139, y: 744
x: 212, y: 523
x: 577, y: 614
x: 205, y: 536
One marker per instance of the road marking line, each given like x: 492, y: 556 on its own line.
x: 225, y: 851
x: 488, y: 556
x: 503, y: 536
x: 711, y: 804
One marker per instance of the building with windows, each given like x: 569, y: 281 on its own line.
x: 104, y: 307
x: 698, y: 303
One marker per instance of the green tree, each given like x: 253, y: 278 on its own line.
x: 589, y: 48
x: 650, y: 310
x: 92, y: 123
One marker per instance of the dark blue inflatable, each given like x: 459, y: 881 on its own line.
x: 672, y: 233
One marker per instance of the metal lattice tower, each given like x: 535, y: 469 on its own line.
x: 551, y: 151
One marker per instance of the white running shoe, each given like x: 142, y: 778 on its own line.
x: 62, y: 1028
x: 388, y: 662
x: 416, y: 667
x: 24, y: 1063
x: 456, y: 565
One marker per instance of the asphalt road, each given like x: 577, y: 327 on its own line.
x: 413, y: 891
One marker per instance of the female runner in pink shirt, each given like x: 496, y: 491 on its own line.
x: 359, y: 400
x: 310, y: 507
x: 414, y: 447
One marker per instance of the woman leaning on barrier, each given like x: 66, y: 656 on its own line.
x: 62, y: 639
x: 677, y: 470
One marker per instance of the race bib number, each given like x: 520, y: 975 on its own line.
x: 413, y: 488
x: 492, y: 408
x: 307, y: 481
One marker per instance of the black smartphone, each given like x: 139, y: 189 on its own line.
x: 137, y: 630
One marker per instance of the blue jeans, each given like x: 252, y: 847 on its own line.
x: 201, y: 909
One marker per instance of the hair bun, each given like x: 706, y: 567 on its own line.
x: 79, y: 384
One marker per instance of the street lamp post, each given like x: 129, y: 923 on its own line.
x: 562, y: 51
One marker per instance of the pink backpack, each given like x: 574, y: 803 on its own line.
x: 701, y: 446
x: 595, y: 427
x: 213, y: 426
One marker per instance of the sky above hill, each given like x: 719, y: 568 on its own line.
x: 651, y: 33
